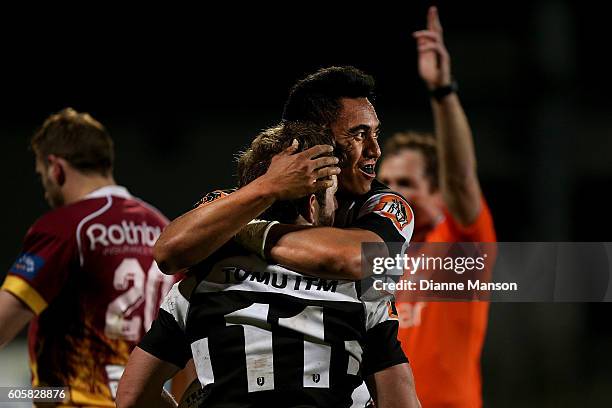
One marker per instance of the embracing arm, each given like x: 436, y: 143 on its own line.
x: 393, y: 387
x: 325, y: 252
x: 195, y: 235
x: 457, y: 160
x: 143, y: 381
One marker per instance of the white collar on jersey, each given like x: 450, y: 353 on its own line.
x: 118, y: 191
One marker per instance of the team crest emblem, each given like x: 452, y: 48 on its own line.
x: 400, y: 211
x: 260, y: 381
x: 396, y: 209
x: 316, y: 378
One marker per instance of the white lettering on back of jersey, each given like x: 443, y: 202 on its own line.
x: 126, y: 233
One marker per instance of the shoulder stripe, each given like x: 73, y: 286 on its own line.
x: 100, y: 211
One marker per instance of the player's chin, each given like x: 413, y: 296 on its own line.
x: 362, y: 186
x: 354, y: 184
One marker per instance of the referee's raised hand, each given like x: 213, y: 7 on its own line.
x: 433, y: 57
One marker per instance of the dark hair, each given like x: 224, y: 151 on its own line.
x: 254, y: 162
x: 421, y: 142
x: 316, y: 98
x: 78, y: 138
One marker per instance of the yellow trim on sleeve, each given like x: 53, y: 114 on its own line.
x: 26, y: 293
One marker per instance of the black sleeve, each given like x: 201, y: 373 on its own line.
x: 166, y: 341
x: 382, y: 348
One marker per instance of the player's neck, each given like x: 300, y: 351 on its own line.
x: 81, y: 185
x: 302, y: 221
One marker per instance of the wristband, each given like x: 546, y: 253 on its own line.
x: 253, y: 236
x: 439, y: 93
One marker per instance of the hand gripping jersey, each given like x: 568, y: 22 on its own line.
x: 88, y: 274
x: 261, y: 335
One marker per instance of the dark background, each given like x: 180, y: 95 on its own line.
x: 182, y: 91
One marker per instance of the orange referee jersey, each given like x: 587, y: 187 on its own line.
x: 443, y: 340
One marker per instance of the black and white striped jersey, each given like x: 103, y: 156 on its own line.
x: 262, y: 335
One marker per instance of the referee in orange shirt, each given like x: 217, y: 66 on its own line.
x: 437, y: 175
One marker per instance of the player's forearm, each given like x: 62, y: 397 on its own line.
x: 151, y: 398
x: 14, y: 315
x: 457, y: 159
x: 195, y: 235
x: 325, y: 252
x: 394, y: 388
x: 182, y: 380
x: 142, y: 382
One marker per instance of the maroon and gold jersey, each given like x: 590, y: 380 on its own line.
x: 88, y: 274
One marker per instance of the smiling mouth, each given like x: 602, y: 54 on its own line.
x: 368, y: 169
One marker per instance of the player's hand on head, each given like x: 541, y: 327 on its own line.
x: 433, y: 58
x: 293, y: 175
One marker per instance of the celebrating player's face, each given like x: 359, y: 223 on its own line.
x: 356, y: 132
x: 53, y: 194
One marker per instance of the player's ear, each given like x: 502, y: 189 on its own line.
x: 312, y: 211
x: 57, y: 169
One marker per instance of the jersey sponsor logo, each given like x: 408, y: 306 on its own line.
x: 394, y: 208
x: 279, y: 280
x: 125, y: 233
x: 27, y: 265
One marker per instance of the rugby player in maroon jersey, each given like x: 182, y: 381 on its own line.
x: 86, y: 278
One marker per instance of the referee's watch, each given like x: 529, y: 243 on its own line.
x: 439, y: 93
